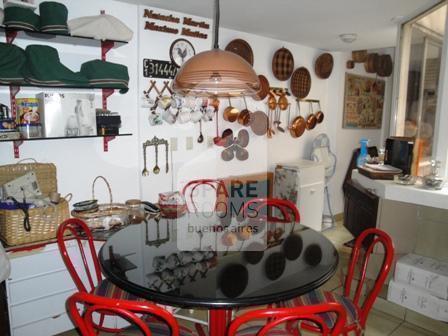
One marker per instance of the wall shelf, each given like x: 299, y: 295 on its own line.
x: 58, y: 38
x: 106, y: 139
x: 14, y: 88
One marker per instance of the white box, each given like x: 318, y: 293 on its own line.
x: 68, y: 114
x: 423, y: 272
x: 418, y: 300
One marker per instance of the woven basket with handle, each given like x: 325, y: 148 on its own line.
x: 44, y: 221
x: 107, y: 214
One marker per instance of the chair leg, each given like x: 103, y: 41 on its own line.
x: 199, y: 329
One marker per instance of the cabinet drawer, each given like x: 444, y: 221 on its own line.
x: 37, y: 310
x: 46, y: 327
x: 21, y: 291
x: 38, y: 262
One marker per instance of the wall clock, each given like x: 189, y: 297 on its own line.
x: 181, y: 51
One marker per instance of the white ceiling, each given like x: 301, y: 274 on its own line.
x: 316, y: 23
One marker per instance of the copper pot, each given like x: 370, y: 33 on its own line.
x: 297, y: 126
x: 231, y: 113
x: 244, y: 116
x: 283, y: 102
x: 319, y: 115
x: 272, y: 102
x: 311, y: 120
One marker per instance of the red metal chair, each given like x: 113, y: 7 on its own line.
x: 357, y: 310
x: 287, y: 321
x: 217, y: 185
x: 152, y: 321
x: 88, y: 280
x: 286, y: 208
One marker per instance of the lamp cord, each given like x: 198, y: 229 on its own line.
x: 216, y: 25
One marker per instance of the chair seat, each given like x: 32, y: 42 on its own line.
x: 253, y: 331
x: 107, y: 289
x: 157, y: 329
x: 318, y: 297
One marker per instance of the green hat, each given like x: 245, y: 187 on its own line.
x: 21, y: 18
x: 11, y: 64
x: 53, y: 17
x: 102, y: 74
x: 43, y: 67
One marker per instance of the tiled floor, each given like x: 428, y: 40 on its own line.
x: 378, y: 323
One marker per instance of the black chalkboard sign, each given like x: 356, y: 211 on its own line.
x: 159, y: 69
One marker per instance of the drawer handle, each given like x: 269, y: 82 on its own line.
x: 56, y: 316
x: 312, y: 191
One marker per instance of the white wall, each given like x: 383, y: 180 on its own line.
x: 346, y: 140
x: 79, y: 161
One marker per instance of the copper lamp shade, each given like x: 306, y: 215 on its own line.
x: 216, y: 73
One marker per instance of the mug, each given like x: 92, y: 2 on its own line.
x: 209, y: 113
x: 196, y: 115
x: 169, y: 117
x: 184, y: 115
x: 159, y: 263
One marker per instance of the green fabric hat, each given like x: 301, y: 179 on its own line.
x: 53, y: 17
x: 102, y: 74
x: 43, y: 67
x: 11, y: 64
x: 21, y: 18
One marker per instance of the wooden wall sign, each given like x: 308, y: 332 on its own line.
x: 150, y: 14
x: 190, y: 22
x: 159, y: 69
x: 191, y: 33
x: 163, y: 29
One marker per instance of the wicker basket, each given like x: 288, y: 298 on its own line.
x: 107, y: 215
x: 44, y: 221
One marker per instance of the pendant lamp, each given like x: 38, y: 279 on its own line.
x: 216, y: 73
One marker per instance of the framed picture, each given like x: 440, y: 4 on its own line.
x: 363, y: 102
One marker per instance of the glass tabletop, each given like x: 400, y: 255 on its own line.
x: 203, y: 260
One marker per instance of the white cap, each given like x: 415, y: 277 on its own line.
x: 100, y: 27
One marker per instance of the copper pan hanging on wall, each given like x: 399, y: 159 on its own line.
x: 298, y: 124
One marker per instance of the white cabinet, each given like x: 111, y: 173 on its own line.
x: 302, y: 183
x: 37, y: 290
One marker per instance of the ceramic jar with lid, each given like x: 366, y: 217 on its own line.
x: 136, y: 213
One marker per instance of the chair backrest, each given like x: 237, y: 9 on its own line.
x: 189, y: 191
x: 83, y: 236
x: 360, y: 258
x: 290, y: 316
x: 286, y: 208
x: 124, y: 309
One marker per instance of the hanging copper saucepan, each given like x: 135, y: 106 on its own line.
x: 319, y: 114
x: 244, y: 116
x: 298, y: 124
x: 311, y: 120
x: 272, y: 102
x: 231, y: 113
x: 283, y: 102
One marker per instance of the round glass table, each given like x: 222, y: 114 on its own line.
x: 204, y: 261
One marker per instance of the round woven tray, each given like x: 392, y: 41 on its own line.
x: 241, y: 48
x: 283, y: 64
x: 300, y: 83
x: 324, y: 66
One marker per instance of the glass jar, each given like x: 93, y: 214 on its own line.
x: 136, y: 212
